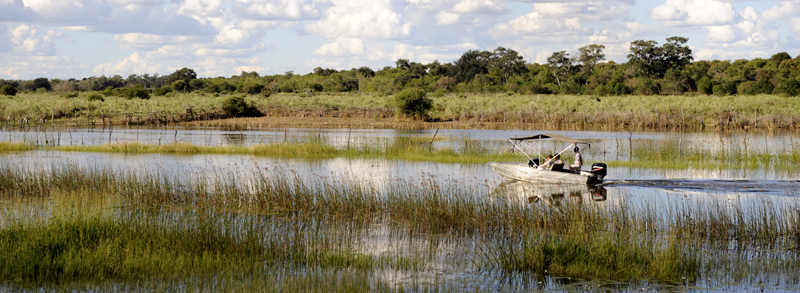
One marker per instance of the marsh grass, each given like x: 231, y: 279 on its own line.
x: 484, y: 111
x: 86, y: 238
x: 597, y: 255
x: 98, y: 225
x: 670, y: 154
x: 314, y: 147
x: 6, y: 146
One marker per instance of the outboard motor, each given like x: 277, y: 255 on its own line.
x: 598, y: 173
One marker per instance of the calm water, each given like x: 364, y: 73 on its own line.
x: 608, y: 144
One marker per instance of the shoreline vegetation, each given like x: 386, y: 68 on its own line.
x: 467, y: 111
x: 69, y: 226
x: 660, y: 87
x: 644, y: 153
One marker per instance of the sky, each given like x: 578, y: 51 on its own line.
x: 83, y: 38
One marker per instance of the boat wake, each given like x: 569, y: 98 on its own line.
x: 772, y: 187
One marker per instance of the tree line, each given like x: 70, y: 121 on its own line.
x: 651, y: 69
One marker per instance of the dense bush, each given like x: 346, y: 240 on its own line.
x: 136, y: 92
x: 315, y: 87
x: 95, y: 97
x: 162, y: 91
x: 236, y: 106
x: 180, y: 86
x: 197, y: 84
x: 219, y: 87
x: 788, y: 88
x: 413, y: 102
x: 70, y: 95
x: 251, y: 88
x: 8, y: 90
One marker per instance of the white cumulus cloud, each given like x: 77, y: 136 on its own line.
x: 695, y: 12
x: 279, y: 9
x: 447, y: 18
x: 536, y: 24
x: 342, y: 46
x: 479, y: 7
x: 366, y: 19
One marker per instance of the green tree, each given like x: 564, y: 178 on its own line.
x: 506, y: 63
x: 562, y: 66
x: 413, y: 102
x: 8, y: 90
x: 366, y: 72
x: 471, y: 64
x: 674, y: 83
x: 324, y: 72
x: 184, y: 74
x: 645, y: 57
x: 588, y: 57
x: 402, y: 64
x: 704, y: 85
x: 676, y: 54
x: 780, y: 57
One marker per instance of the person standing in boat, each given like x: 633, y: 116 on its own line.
x: 576, y: 167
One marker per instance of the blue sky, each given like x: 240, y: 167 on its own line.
x: 82, y: 38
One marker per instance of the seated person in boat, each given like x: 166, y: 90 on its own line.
x: 548, y: 164
x: 558, y: 160
x: 558, y: 164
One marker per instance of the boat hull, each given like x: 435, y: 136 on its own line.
x: 522, y: 172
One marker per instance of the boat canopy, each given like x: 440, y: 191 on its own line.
x: 555, y: 136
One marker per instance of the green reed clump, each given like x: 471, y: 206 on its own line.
x: 7, y: 146
x: 400, y: 148
x: 598, y: 255
x: 308, y: 150
x: 100, y: 249
x: 18, y: 181
x: 81, y: 239
x: 764, y: 225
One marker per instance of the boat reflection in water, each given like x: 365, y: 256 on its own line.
x: 549, y: 193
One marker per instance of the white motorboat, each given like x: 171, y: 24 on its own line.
x: 533, y: 171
